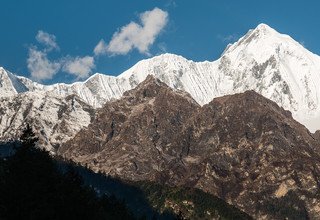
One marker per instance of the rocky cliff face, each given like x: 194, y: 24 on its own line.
x: 140, y: 125
x: 243, y: 148
x: 55, y: 119
x: 254, y: 155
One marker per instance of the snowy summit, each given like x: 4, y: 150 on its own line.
x: 268, y: 62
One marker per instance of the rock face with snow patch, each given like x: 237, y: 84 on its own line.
x: 55, y: 119
x: 10, y: 85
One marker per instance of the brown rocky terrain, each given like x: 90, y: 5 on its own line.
x: 135, y: 130
x: 242, y: 148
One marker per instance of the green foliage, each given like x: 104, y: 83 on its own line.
x: 289, y: 206
x: 192, y: 203
x: 32, y: 187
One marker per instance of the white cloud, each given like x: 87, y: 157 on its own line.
x: 134, y: 35
x: 39, y: 66
x: 101, y: 48
x: 48, y: 40
x: 79, y: 66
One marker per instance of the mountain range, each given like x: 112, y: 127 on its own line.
x: 244, y: 128
x: 270, y: 63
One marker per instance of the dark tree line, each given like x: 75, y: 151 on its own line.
x: 203, y: 202
x: 32, y: 187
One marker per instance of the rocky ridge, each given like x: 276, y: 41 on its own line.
x: 243, y: 148
x: 270, y: 63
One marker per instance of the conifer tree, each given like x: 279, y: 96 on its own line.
x: 28, y: 137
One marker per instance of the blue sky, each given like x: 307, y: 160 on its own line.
x: 60, y: 36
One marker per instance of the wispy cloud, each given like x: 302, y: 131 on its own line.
x: 101, y: 48
x: 171, y: 3
x: 135, y: 36
x: 48, y: 40
x: 79, y: 66
x: 163, y: 47
x: 40, y: 67
x: 228, y: 38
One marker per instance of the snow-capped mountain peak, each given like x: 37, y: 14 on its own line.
x: 265, y: 29
x: 263, y: 60
x: 262, y: 42
x: 10, y: 84
x: 265, y: 53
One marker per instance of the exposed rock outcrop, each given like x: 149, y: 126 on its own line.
x: 243, y: 148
